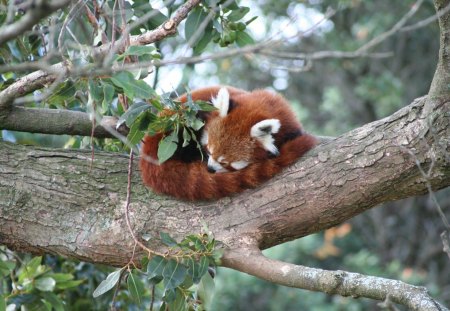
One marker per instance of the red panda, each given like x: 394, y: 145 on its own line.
x: 249, y: 138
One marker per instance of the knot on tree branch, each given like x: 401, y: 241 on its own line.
x: 169, y: 25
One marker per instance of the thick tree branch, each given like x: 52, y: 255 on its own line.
x: 35, y: 12
x: 60, y: 122
x: 342, y: 283
x: 52, y: 201
x: 336, y: 181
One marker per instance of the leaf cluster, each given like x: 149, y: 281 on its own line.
x: 33, y: 286
x: 168, y: 116
x: 181, y: 275
x: 224, y: 25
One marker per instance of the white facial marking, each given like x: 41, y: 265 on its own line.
x: 216, y: 165
x: 263, y: 131
x: 222, y: 102
x: 221, y: 159
x: 238, y: 165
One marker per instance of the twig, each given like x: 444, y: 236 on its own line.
x: 152, y: 302
x: 426, y: 21
x: 251, y: 261
x: 40, y: 9
x: 68, y: 19
x: 116, y: 291
x: 127, y: 209
x: 378, y: 39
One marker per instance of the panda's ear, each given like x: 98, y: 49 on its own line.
x: 263, y: 132
x: 222, y: 102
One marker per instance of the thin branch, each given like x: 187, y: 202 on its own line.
x: 378, y: 39
x: 38, y: 79
x: 38, y: 10
x: 30, y: 83
x: 127, y: 210
x: 253, y: 262
x: 74, y: 11
x: 426, y: 21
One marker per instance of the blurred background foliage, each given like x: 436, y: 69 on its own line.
x: 397, y: 240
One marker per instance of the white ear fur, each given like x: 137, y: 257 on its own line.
x: 222, y: 102
x: 204, y: 138
x: 263, y: 130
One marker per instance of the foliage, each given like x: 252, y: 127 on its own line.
x: 27, y: 284
x: 181, y: 275
x: 333, y: 97
x: 171, y: 117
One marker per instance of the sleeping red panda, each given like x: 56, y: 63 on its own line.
x: 249, y: 138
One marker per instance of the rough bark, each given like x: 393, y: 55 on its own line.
x: 55, y: 201
x: 337, y: 180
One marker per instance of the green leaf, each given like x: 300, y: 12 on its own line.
x: 22, y: 299
x: 65, y: 91
x: 109, y: 283
x: 108, y: 95
x: 204, y: 39
x: 251, y: 20
x: 236, y: 15
x: 131, y: 87
x: 61, y: 277
x: 203, y: 265
x: 6, y: 267
x: 54, y: 300
x: 197, y: 269
x: 45, y: 284
x: 155, y: 267
x: 167, y: 147
x: 135, y: 135
x: 179, y: 303
x: 31, y: 269
x: 197, y: 124
x: 244, y: 39
x: 231, y: 5
x: 157, y: 104
x: 143, y: 90
x: 192, y: 26
x: 68, y: 284
x: 135, y: 287
x: 174, y: 274
x: 2, y: 303
x: 205, y: 106
x: 95, y: 91
x: 186, y: 137
x: 167, y: 239
x: 139, y: 50
x: 139, y: 127
x: 133, y: 113
x: 38, y: 305
x: 206, y: 290
x: 217, y: 256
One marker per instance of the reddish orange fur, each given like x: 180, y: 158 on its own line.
x: 192, y: 181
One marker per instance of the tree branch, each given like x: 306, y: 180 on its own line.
x: 441, y: 80
x: 53, y: 201
x: 38, y: 10
x: 336, y: 181
x: 342, y: 283
x: 60, y: 122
